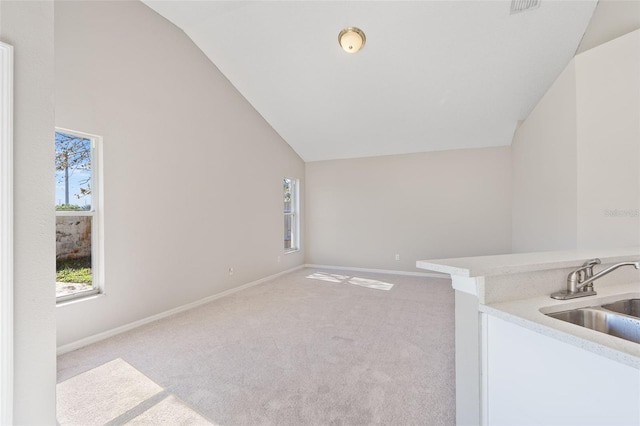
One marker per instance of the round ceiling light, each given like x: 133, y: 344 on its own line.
x: 351, y: 39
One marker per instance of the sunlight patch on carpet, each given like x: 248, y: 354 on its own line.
x: 170, y: 411
x: 368, y: 283
x: 362, y: 282
x: 332, y: 278
x: 116, y: 393
x: 100, y: 395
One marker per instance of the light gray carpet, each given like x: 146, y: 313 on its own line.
x: 312, y: 347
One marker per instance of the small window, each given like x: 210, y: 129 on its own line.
x: 77, y: 214
x: 291, y: 215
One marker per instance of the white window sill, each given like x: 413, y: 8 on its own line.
x: 72, y: 299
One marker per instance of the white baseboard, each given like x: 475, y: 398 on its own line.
x: 110, y: 333
x: 113, y: 332
x: 379, y: 271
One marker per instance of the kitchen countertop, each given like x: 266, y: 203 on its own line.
x: 527, y: 313
x: 516, y: 288
x: 507, y: 264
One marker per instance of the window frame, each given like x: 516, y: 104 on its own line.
x: 96, y: 213
x: 294, y: 214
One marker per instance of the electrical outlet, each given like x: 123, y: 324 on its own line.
x: 397, y: 257
x: 230, y: 271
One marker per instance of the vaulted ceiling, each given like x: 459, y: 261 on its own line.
x: 433, y: 75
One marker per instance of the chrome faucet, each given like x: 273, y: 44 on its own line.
x: 580, y: 281
x: 576, y: 279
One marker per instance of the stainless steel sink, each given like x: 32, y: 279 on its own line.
x: 595, y: 318
x: 627, y: 307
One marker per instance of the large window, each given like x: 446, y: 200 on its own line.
x: 291, y: 215
x: 78, y: 261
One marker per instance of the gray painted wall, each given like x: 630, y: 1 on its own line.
x: 362, y: 212
x: 608, y: 114
x: 28, y: 26
x: 192, y: 173
x: 576, y: 159
x: 544, y: 153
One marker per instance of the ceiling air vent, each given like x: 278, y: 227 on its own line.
x: 518, y: 6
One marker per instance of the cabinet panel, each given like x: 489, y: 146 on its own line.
x: 536, y: 380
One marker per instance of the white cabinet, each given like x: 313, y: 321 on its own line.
x: 533, y: 379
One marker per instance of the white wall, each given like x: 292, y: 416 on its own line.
x: 576, y: 159
x: 28, y: 26
x: 544, y: 171
x: 608, y: 113
x: 611, y: 19
x: 192, y: 173
x: 362, y: 212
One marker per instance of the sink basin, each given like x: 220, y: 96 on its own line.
x: 627, y: 307
x: 615, y: 324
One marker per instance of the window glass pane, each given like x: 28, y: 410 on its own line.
x: 288, y: 232
x: 73, y: 255
x: 290, y: 194
x: 75, y: 192
x: 73, y: 172
x: 288, y: 189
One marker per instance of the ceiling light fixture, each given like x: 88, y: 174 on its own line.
x: 351, y: 39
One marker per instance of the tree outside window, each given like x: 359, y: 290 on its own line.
x: 73, y: 172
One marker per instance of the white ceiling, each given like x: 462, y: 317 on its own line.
x: 433, y: 75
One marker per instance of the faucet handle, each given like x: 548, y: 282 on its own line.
x: 587, y: 268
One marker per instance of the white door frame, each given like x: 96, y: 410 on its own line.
x: 6, y: 233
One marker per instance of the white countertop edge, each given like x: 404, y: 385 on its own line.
x: 505, y: 264
x: 445, y: 269
x: 526, y: 313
